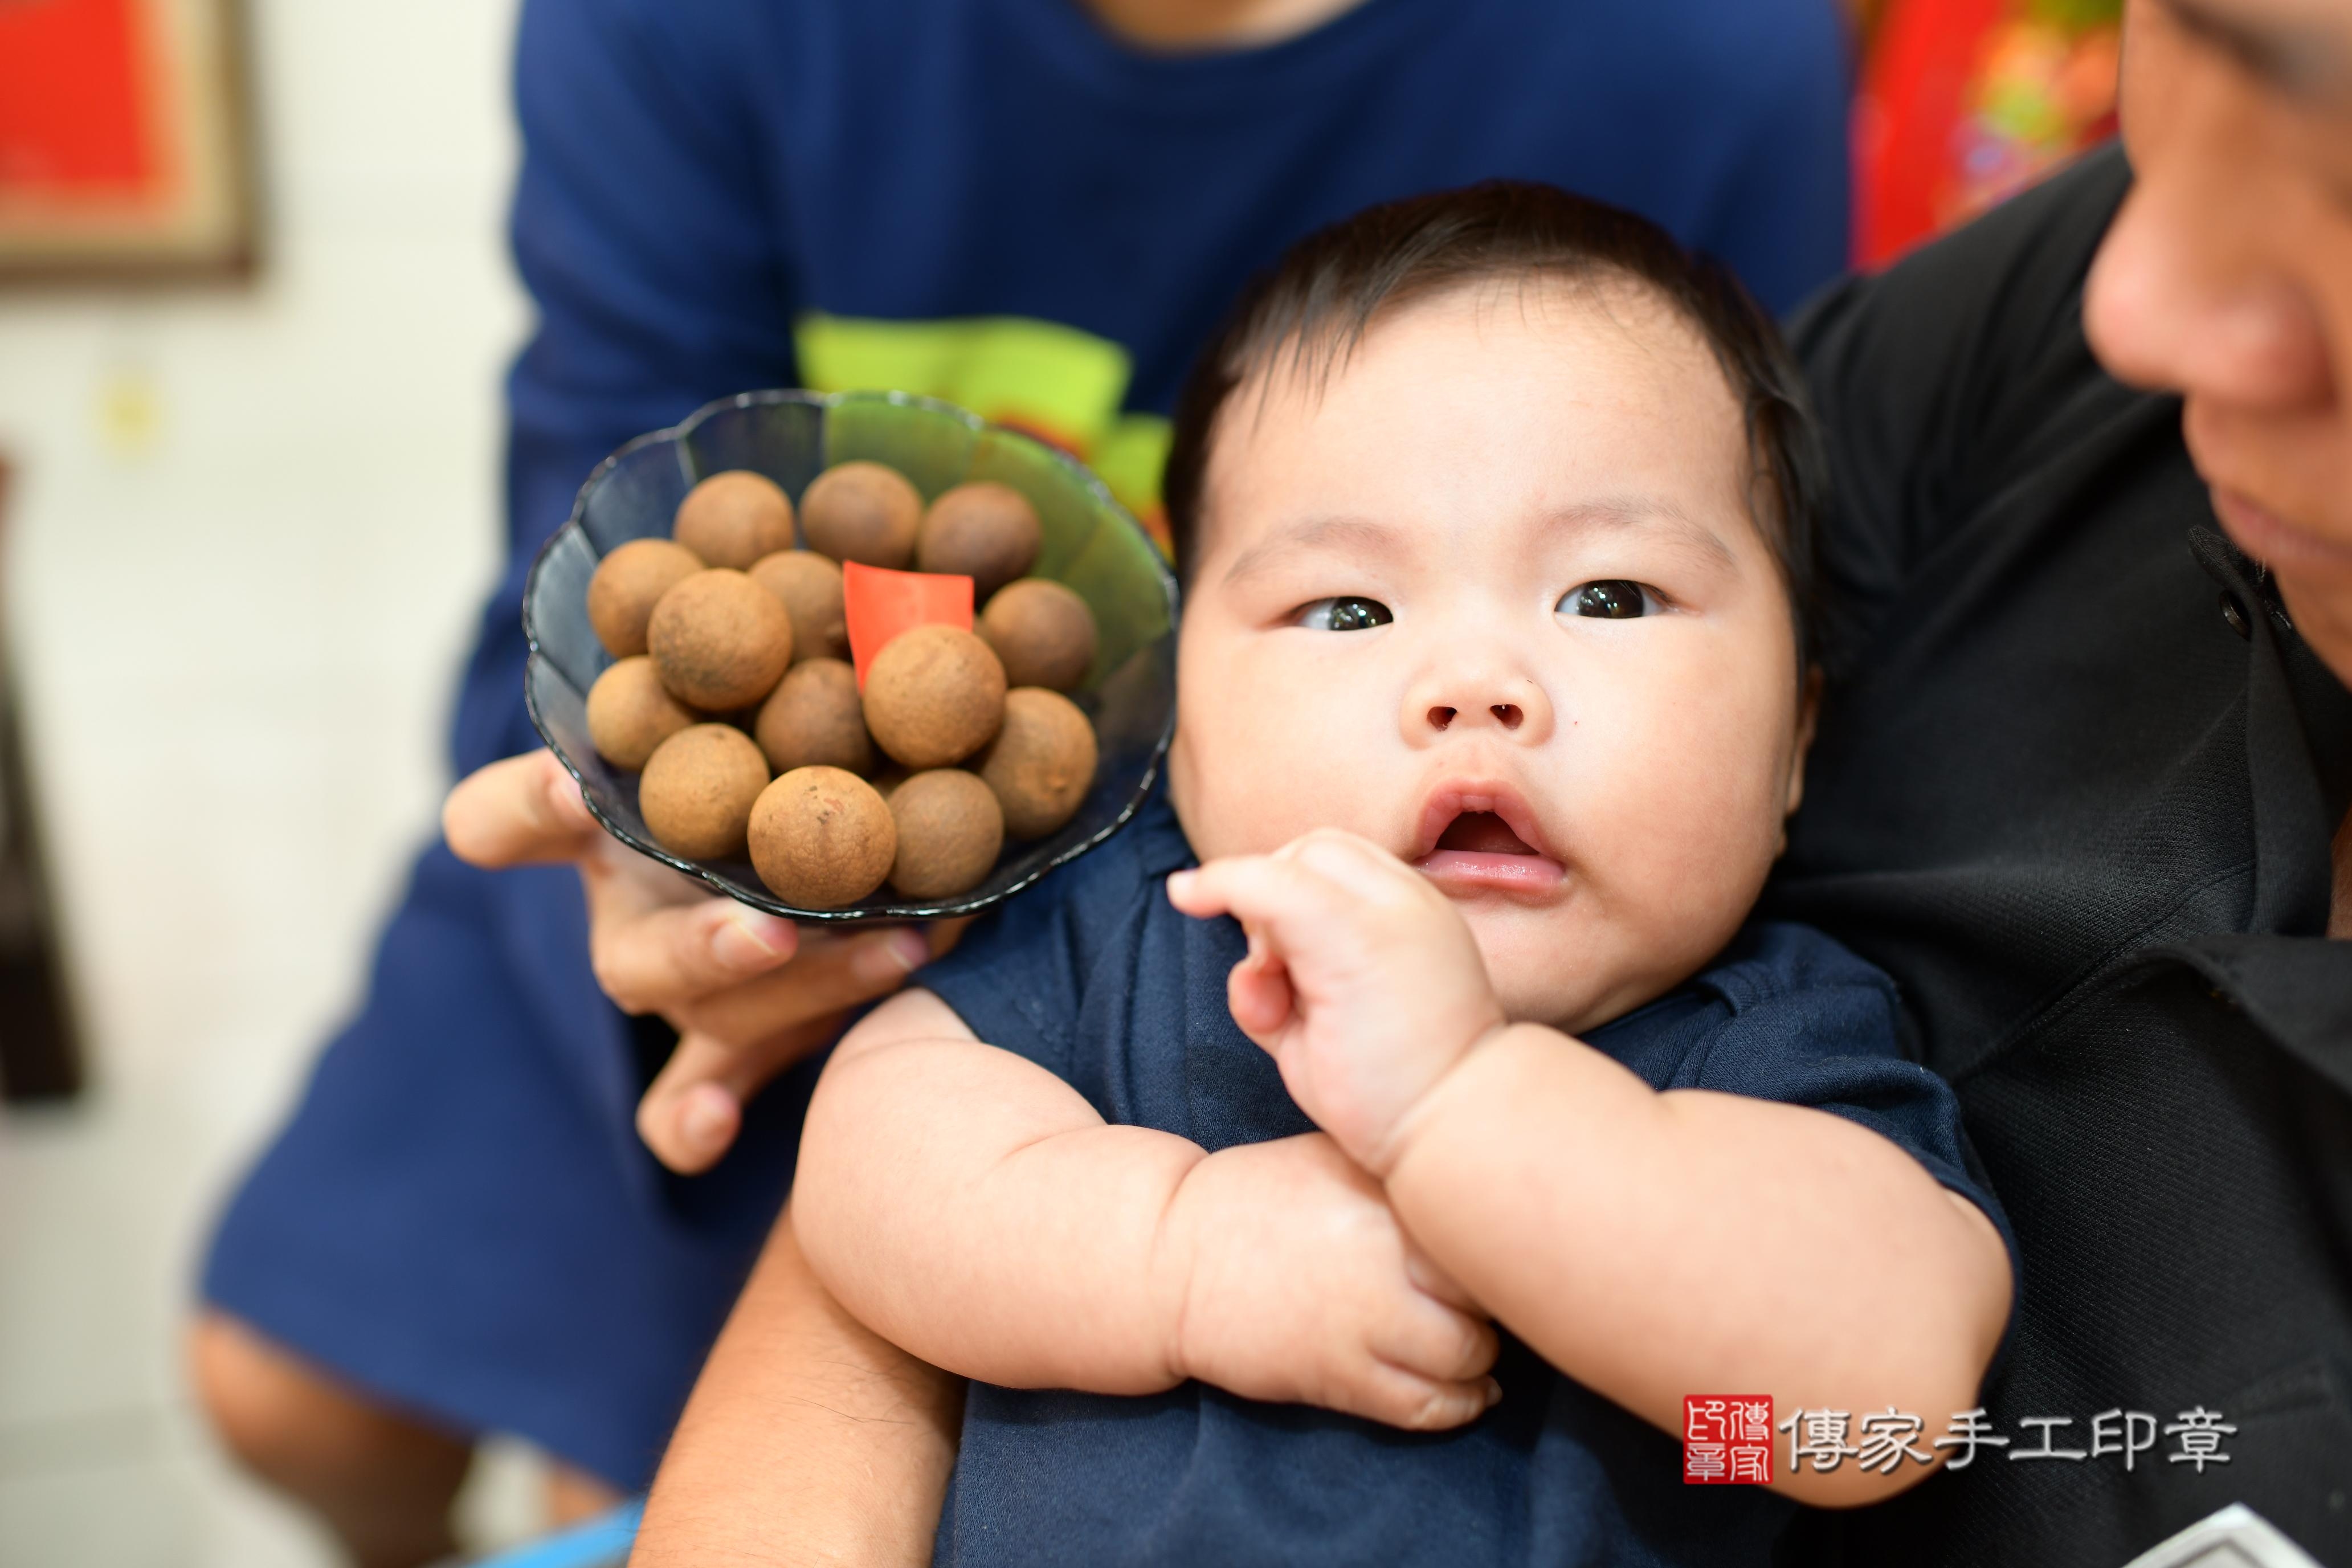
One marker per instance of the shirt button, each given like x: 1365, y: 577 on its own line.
x: 2235, y: 614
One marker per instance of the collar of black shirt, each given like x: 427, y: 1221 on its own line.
x: 2295, y: 986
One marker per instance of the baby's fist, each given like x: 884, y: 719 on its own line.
x: 1362, y: 980
x: 1297, y: 1284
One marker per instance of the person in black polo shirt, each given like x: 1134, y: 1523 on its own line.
x: 2075, y: 791
x: 2077, y: 788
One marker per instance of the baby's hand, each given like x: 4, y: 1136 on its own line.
x: 1362, y: 980
x: 1292, y: 1281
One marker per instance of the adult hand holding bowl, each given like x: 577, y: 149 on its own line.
x: 750, y: 992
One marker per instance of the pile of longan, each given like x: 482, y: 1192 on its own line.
x: 735, y: 697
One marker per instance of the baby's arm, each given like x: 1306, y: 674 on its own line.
x: 972, y: 1208
x: 1703, y: 1243
x: 1650, y: 1245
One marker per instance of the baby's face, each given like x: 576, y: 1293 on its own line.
x: 1492, y: 597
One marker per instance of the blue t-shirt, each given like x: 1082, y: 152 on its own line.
x: 1096, y: 976
x: 702, y: 181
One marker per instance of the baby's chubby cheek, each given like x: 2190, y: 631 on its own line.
x: 1665, y: 807
x: 1256, y: 762
x: 1616, y: 941
x: 1242, y: 794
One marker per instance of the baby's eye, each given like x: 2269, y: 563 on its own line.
x: 1346, y: 614
x: 1612, y: 600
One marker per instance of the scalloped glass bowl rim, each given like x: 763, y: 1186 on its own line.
x: 760, y: 898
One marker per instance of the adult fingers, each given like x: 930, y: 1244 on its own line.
x: 830, y: 974
x: 517, y: 812
x: 694, y: 1108
x: 672, y: 956
x: 943, y: 935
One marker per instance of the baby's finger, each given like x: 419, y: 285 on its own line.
x: 671, y: 955
x: 1201, y: 899
x: 1431, y: 1280
x: 1257, y: 992
x: 1396, y: 1397
x: 1435, y: 1341
x: 1357, y: 865
x: 1286, y: 902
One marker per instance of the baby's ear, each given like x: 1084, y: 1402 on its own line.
x: 1808, y: 712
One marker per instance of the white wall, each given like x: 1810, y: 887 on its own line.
x: 250, y: 532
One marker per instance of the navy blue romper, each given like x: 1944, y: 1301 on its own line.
x: 1097, y: 977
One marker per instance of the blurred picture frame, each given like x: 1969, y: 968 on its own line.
x: 40, y: 1049
x: 126, y: 144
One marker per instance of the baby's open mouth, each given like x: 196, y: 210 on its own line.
x: 1482, y: 833
x: 1479, y: 849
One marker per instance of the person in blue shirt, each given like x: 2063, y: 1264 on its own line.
x: 1032, y: 207
x: 1494, y: 515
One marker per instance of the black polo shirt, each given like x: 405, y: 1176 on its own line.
x: 2075, y: 787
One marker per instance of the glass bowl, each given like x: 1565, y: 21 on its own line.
x: 1090, y: 543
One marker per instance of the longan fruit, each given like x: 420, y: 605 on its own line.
x: 1041, y: 763
x: 984, y: 531
x: 697, y: 791
x: 934, y: 695
x: 628, y: 583
x: 949, y: 830
x: 1043, y: 633
x: 810, y: 587
x: 865, y: 512
x: 720, y: 640
x: 629, y: 713
x: 814, y: 716
x: 821, y: 839
x: 732, y: 518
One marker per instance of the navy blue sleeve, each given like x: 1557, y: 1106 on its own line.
x: 641, y: 230
x: 1789, y: 1014
x: 1018, y: 978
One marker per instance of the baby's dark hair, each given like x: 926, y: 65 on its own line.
x: 1318, y: 300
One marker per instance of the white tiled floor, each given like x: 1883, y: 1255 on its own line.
x: 235, y: 630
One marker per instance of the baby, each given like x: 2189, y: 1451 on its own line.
x: 1492, y: 509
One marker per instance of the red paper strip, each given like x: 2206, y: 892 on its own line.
x: 880, y: 603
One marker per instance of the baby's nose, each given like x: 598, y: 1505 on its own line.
x: 1509, y: 715
x: 1494, y: 700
